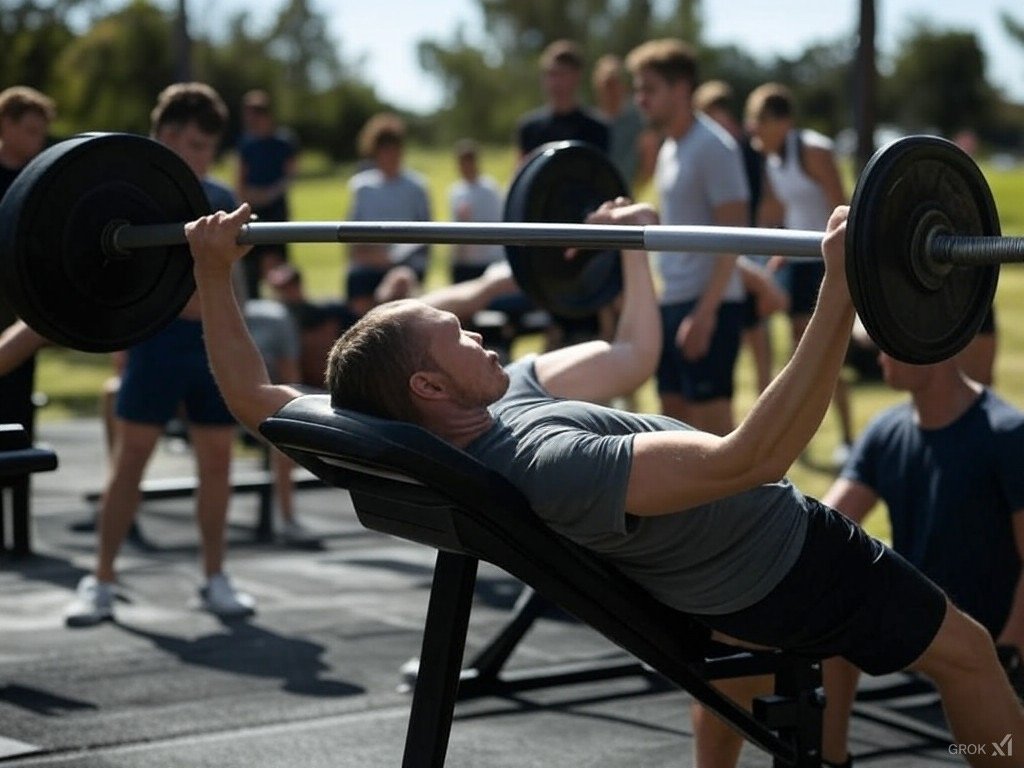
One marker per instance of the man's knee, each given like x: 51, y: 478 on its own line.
x: 962, y: 646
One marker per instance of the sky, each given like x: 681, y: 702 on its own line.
x: 384, y: 34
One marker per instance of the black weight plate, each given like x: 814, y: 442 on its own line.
x: 914, y: 313
x: 52, y: 265
x: 562, y: 182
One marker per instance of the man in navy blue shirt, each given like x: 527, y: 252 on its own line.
x: 947, y: 464
x: 561, y: 118
x: 266, y: 165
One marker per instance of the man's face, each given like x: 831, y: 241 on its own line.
x: 388, y: 157
x: 25, y: 137
x: 196, y: 148
x: 472, y: 374
x: 768, y: 133
x: 559, y: 83
x: 660, y: 101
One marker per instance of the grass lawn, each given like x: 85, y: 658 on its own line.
x: 72, y: 380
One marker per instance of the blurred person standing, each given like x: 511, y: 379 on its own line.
x: 802, y: 188
x: 474, y: 197
x: 25, y: 117
x: 267, y: 161
x: 386, y: 191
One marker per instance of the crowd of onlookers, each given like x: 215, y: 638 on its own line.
x: 945, y: 463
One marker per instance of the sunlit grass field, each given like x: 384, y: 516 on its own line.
x: 72, y: 380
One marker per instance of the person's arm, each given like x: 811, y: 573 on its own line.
x: 854, y: 499
x: 695, y: 332
x: 820, y: 165
x: 237, y: 364
x: 17, y: 344
x: 769, y: 296
x: 600, y: 370
x: 676, y: 470
x: 1013, y: 631
x: 468, y: 297
x: 770, y: 211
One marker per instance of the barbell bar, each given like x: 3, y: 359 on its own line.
x: 94, y: 254
x: 959, y: 250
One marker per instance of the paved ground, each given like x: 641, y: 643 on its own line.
x: 312, y: 679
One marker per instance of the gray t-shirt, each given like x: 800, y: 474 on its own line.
x: 695, y: 173
x: 375, y: 197
x: 572, y: 461
x: 274, y: 332
x: 476, y: 201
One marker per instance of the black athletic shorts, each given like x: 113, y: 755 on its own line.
x: 847, y: 595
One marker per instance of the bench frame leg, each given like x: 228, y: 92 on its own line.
x: 444, y: 641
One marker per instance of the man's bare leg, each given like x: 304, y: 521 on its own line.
x: 212, y: 446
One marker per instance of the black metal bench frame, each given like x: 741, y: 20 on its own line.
x: 406, y: 482
x: 18, y: 461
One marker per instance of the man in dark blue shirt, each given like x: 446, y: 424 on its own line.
x: 266, y: 165
x: 561, y: 118
x: 948, y: 466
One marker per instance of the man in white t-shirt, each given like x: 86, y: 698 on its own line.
x: 700, y: 180
x: 473, y: 197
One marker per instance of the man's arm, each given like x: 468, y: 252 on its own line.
x: 599, y: 370
x: 820, y: 165
x: 672, y: 471
x: 1013, y: 632
x: 695, y: 332
x: 17, y: 344
x: 854, y: 499
x: 470, y: 296
x: 237, y: 364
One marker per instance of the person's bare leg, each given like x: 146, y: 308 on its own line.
x: 713, y: 416
x: 212, y: 446
x: 840, y: 679
x: 674, y: 406
x: 284, y: 486
x: 980, y: 705
x: 133, y: 448
x: 757, y: 340
x: 841, y: 402
x: 716, y: 744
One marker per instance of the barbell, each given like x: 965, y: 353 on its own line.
x: 93, y: 253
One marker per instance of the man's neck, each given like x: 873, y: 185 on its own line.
x: 681, y: 123
x: 9, y: 160
x: 459, y: 428
x: 563, y: 107
x: 945, y: 400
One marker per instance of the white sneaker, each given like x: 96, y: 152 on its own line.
x: 93, y: 603
x: 294, y: 532
x: 219, y: 596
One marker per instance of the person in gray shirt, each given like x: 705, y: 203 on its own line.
x: 704, y: 522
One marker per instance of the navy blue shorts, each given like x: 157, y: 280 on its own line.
x: 847, y: 595
x: 802, y: 280
x: 711, y: 377
x: 166, y: 371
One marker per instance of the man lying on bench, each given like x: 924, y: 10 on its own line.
x: 707, y: 524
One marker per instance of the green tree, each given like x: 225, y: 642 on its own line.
x: 108, y: 78
x: 938, y: 81
x: 32, y: 35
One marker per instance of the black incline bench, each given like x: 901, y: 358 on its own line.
x: 406, y: 482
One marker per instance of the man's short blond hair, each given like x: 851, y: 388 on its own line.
x: 670, y: 58
x: 20, y: 100
x: 772, y: 100
x: 564, y: 53
x: 713, y: 94
x: 380, y: 130
x: 608, y: 67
